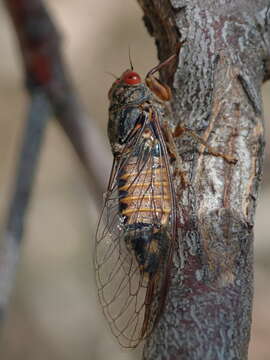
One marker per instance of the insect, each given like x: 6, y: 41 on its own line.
x: 137, y: 231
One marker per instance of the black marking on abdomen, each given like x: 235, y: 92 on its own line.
x: 149, y: 244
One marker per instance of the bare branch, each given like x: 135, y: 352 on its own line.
x: 51, y: 90
x: 45, y: 71
x: 217, y: 92
x: 29, y: 155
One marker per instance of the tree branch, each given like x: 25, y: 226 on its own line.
x: 45, y: 71
x: 51, y: 90
x: 38, y: 115
x: 217, y: 92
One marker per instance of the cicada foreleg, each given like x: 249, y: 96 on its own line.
x: 161, y: 90
x: 179, y: 131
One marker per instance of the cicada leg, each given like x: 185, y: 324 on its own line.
x: 161, y: 90
x: 165, y: 62
x: 179, y: 131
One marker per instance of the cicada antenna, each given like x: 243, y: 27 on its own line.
x: 130, y: 61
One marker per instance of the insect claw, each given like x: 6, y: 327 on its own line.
x: 231, y: 159
x: 178, y: 173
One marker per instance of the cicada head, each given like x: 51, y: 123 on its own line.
x: 126, y: 95
x: 129, y: 78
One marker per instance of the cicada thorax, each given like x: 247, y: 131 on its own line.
x: 124, y: 110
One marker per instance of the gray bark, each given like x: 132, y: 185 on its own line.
x: 217, y: 92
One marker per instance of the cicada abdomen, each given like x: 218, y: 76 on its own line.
x: 137, y: 230
x: 145, y: 204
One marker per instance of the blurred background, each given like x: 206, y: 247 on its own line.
x: 54, y: 313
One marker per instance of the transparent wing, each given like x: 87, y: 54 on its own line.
x: 131, y: 298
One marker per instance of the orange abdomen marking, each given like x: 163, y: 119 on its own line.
x: 144, y: 194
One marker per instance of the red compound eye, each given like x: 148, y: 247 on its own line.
x: 131, y: 78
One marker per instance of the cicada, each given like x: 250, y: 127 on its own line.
x: 138, y: 228
x: 136, y: 235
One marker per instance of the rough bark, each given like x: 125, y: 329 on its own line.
x: 217, y: 92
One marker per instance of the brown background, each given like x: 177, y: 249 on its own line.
x: 54, y: 312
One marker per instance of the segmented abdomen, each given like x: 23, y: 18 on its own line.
x: 144, y: 194
x: 145, y: 204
